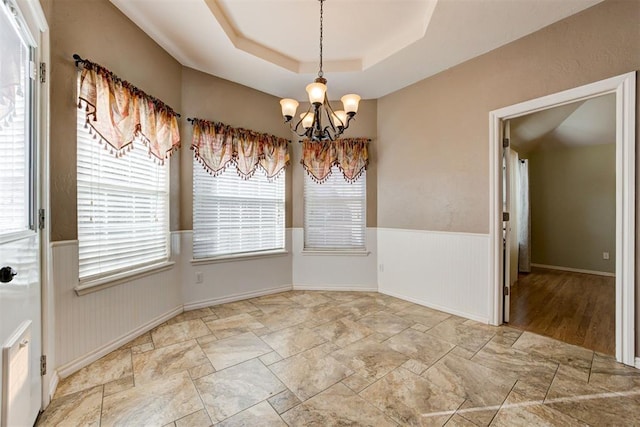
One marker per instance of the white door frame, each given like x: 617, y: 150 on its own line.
x: 624, y: 87
x: 35, y: 17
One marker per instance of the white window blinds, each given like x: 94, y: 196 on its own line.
x: 232, y: 215
x: 334, y: 212
x: 123, y: 208
x: 15, y: 130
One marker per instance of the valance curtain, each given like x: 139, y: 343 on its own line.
x: 119, y: 113
x: 217, y: 145
x: 350, y: 155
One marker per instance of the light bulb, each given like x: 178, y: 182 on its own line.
x: 350, y: 103
x: 289, y: 107
x: 307, y: 120
x: 316, y: 92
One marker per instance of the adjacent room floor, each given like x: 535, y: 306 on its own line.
x: 575, y: 308
x: 344, y: 358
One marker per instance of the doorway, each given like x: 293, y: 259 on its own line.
x: 623, y: 89
x: 561, y: 251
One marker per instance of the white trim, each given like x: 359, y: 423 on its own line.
x: 574, y: 270
x: 437, y: 307
x: 124, y: 277
x: 409, y: 230
x: 637, y: 364
x: 79, y: 363
x: 60, y: 243
x: 36, y: 12
x: 624, y: 88
x: 335, y: 252
x: 53, y: 385
x: 336, y: 288
x: 240, y: 256
x: 235, y: 297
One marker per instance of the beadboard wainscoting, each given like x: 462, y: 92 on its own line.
x: 443, y: 270
x: 226, y: 279
x: 349, y: 271
x: 89, y: 326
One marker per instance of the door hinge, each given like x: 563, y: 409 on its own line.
x: 505, y: 143
x: 43, y: 72
x: 41, y: 219
x: 43, y: 365
x: 506, y: 291
x: 505, y: 216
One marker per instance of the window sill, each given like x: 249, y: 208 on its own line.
x: 336, y: 252
x: 96, y: 285
x: 240, y: 257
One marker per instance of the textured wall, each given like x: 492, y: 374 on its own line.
x: 96, y: 30
x: 573, y: 207
x: 433, y: 136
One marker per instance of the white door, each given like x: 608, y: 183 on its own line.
x: 20, y: 315
x: 506, y: 224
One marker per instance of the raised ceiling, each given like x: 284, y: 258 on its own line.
x: 371, y: 47
x: 581, y: 123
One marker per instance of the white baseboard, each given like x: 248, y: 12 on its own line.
x: 354, y: 288
x: 437, y: 307
x: 637, y: 362
x: 235, y: 297
x: 79, y: 363
x: 574, y: 270
x: 53, y: 384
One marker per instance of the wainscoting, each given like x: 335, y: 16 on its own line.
x: 445, y: 271
x: 344, y: 272
x: 230, y: 279
x: 441, y: 270
x: 90, y: 326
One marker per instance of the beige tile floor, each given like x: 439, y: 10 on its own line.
x: 344, y: 359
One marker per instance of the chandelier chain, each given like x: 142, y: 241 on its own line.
x: 320, y: 72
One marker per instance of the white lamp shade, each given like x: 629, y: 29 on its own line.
x: 289, y: 107
x: 339, y: 118
x: 316, y: 92
x: 350, y: 103
x: 307, y: 120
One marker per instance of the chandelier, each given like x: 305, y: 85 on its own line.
x: 320, y: 122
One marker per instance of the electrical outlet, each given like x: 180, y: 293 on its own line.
x: 605, y: 255
x: 198, y: 276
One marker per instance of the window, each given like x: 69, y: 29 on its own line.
x: 123, y: 208
x: 233, y: 216
x: 16, y: 90
x: 334, y: 212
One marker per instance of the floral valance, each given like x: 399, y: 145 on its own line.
x: 350, y: 155
x: 216, y: 146
x: 119, y: 113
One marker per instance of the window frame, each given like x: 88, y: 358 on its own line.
x: 30, y: 136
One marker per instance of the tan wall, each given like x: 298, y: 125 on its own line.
x: 212, y: 98
x: 97, y: 31
x: 433, y: 136
x: 363, y: 126
x: 573, y: 207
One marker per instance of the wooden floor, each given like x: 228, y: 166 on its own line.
x: 572, y: 307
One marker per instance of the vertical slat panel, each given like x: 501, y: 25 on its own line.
x: 446, y: 271
x: 85, y: 324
